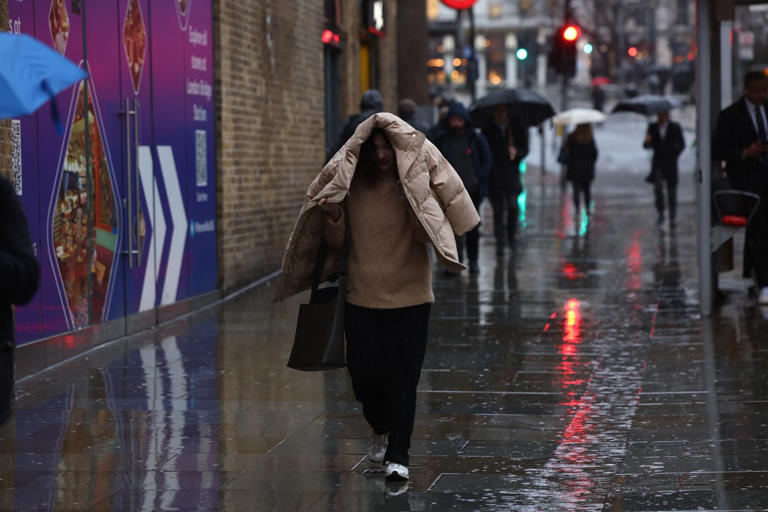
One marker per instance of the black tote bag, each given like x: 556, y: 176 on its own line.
x: 319, y: 340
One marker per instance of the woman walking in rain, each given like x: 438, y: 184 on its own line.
x: 391, y: 192
x: 579, y: 155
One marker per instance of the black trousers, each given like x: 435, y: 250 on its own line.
x: 582, y: 188
x: 6, y: 379
x: 505, y: 212
x: 385, y: 350
x: 471, y: 239
x: 658, y: 190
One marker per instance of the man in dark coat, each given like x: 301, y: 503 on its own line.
x: 370, y: 104
x: 665, y: 137
x: 406, y: 110
x: 19, y: 274
x: 508, y: 140
x: 741, y: 141
x: 468, y: 153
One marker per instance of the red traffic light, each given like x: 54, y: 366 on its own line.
x: 571, y: 32
x: 330, y: 37
x: 632, y: 51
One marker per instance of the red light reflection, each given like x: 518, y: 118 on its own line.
x: 571, y: 271
x: 572, y: 322
x: 635, y: 263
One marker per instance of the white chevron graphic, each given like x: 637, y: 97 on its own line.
x: 179, y: 218
x: 157, y: 223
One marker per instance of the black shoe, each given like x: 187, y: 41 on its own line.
x: 473, y: 267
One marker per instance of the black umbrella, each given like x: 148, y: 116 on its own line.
x: 527, y: 106
x: 647, y: 104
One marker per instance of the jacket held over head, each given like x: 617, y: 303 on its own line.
x: 434, y: 192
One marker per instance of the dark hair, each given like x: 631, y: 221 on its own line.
x: 367, y: 169
x: 754, y: 76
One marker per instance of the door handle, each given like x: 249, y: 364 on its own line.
x: 128, y: 161
x: 129, y: 165
x: 136, y: 174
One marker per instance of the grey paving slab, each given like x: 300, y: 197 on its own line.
x: 572, y: 374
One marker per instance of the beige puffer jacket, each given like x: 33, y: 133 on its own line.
x: 431, y: 185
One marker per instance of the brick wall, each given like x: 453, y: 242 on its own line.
x: 270, y: 121
x: 270, y: 118
x: 350, y: 58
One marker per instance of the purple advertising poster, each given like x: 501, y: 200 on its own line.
x: 122, y: 206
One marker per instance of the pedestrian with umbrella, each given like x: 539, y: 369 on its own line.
x: 504, y: 117
x: 665, y: 138
x: 31, y: 74
x: 579, y: 154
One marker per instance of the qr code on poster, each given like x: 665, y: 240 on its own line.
x: 16, y: 154
x: 201, y: 157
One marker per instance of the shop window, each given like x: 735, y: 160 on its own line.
x: 495, y: 10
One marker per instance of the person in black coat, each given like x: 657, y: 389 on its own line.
x: 406, y: 110
x: 665, y: 137
x: 370, y: 104
x: 20, y: 274
x: 741, y: 141
x: 508, y: 140
x: 579, y: 155
x: 468, y: 153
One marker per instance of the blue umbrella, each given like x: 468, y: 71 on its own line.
x: 32, y: 73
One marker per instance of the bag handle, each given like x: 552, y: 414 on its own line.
x: 322, y: 252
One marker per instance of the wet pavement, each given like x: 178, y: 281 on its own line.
x: 574, y: 374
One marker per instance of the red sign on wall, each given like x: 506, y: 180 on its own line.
x: 459, y: 4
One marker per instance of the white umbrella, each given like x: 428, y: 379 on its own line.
x: 579, y: 116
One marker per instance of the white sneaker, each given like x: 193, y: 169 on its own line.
x: 377, y: 448
x: 763, y: 299
x: 396, y: 472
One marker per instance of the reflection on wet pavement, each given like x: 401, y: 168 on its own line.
x: 574, y: 374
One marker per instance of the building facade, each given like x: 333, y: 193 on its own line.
x: 511, y: 41
x: 185, y: 155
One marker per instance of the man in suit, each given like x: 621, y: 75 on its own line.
x: 741, y: 141
x: 665, y: 137
x: 508, y: 140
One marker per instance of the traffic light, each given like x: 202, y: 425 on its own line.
x: 331, y: 36
x: 521, y: 54
x: 632, y: 51
x: 563, y: 55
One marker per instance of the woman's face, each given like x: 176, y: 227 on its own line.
x: 385, y: 155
